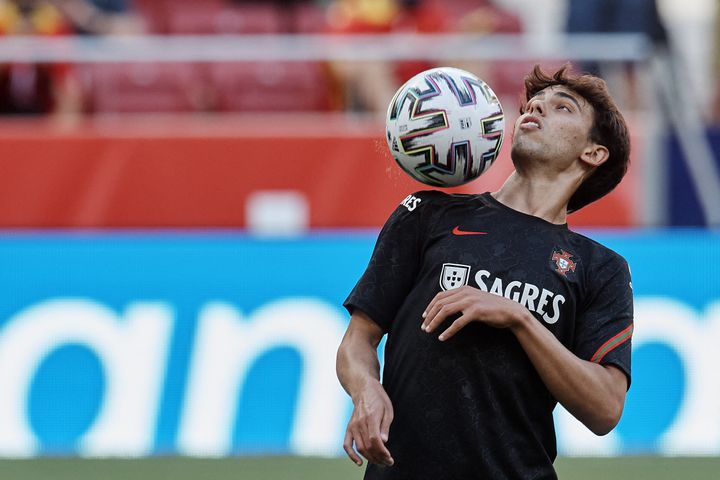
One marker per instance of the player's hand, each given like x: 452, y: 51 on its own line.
x: 369, y: 426
x: 473, y: 305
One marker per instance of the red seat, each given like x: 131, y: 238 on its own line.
x: 145, y: 87
x: 309, y: 18
x: 154, y: 14
x: 460, y: 12
x: 215, y: 17
x: 271, y: 86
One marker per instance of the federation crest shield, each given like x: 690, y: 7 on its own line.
x: 563, y: 262
x: 454, y: 275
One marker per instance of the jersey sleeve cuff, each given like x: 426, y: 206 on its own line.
x: 620, y: 366
x: 375, y: 316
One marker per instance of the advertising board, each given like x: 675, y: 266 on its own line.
x: 133, y: 344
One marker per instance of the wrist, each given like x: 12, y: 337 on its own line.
x: 362, y: 388
x: 522, y: 321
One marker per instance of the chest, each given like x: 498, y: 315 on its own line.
x: 534, y: 265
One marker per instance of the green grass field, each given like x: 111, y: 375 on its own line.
x: 294, y: 468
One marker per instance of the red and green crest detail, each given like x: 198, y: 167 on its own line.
x: 563, y: 262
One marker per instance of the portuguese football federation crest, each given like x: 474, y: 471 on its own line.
x: 454, y: 275
x: 563, y: 261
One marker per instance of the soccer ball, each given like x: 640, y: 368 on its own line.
x: 445, y: 127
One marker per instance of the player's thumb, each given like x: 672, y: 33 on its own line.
x: 385, y: 426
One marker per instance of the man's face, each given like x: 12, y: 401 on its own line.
x: 554, y: 128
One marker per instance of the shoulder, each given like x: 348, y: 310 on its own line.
x: 421, y: 201
x: 429, y: 205
x: 600, y: 258
x: 435, y: 196
x: 435, y: 199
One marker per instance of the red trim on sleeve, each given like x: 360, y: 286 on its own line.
x: 612, y: 344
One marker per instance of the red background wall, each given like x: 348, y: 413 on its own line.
x: 166, y: 171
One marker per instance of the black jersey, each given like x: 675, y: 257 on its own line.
x: 474, y: 407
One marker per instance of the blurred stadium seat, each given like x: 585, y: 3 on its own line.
x: 153, y: 12
x: 213, y: 17
x: 191, y: 17
x: 143, y: 87
x: 270, y: 86
x: 309, y: 18
x: 482, y: 16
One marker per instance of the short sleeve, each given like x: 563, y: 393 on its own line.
x: 605, y: 327
x: 394, y: 264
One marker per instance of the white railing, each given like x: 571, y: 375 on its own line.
x: 214, y: 48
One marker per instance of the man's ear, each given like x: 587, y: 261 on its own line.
x: 595, y: 155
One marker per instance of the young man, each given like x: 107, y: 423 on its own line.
x: 494, y: 309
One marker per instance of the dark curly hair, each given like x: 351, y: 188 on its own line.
x: 609, y: 129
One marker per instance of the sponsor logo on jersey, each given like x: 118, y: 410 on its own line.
x: 536, y: 299
x: 458, y: 231
x: 411, y: 202
x: 544, y: 302
x: 454, y: 275
x: 563, y: 262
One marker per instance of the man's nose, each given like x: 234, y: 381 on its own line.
x: 537, y: 107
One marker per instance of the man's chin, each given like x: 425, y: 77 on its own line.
x: 520, y: 154
x: 526, y: 157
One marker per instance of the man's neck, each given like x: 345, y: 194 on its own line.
x: 537, y: 196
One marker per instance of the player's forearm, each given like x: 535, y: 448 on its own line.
x: 357, y: 363
x: 587, y: 390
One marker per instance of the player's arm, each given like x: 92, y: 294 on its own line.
x: 593, y: 393
x: 358, y: 370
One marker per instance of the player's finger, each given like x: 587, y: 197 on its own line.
x: 435, y: 314
x: 378, y: 451
x: 369, y: 430
x: 349, y: 450
x: 440, y: 314
x: 433, y: 307
x: 435, y: 300
x: 455, y: 327
x: 387, y: 419
x: 361, y: 445
x: 442, y: 298
x: 377, y: 446
x: 439, y: 297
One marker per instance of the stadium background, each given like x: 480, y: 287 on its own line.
x: 177, y: 241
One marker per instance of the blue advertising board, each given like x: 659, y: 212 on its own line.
x: 220, y: 343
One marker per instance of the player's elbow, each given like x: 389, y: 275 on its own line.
x: 606, y: 404
x: 605, y: 419
x: 602, y: 428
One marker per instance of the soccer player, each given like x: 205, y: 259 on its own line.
x: 494, y: 309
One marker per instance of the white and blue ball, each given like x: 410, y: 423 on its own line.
x: 445, y: 127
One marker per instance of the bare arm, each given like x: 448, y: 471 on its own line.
x: 593, y: 393
x: 358, y: 370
